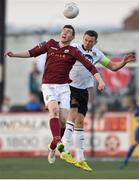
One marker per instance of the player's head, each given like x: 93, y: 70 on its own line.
x: 67, y: 34
x: 89, y: 39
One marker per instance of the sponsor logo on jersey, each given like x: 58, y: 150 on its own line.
x: 62, y: 56
x: 66, y: 51
x: 89, y: 57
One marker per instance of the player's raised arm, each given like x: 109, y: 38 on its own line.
x: 41, y: 48
x: 25, y: 54
x: 115, y: 66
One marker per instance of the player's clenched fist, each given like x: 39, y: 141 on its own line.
x: 9, y: 53
x: 129, y: 57
x: 101, y: 86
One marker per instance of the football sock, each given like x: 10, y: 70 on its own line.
x: 55, y: 129
x: 52, y: 145
x: 79, y: 142
x: 67, y: 138
x: 129, y: 153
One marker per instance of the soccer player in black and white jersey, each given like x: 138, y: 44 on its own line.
x: 81, y: 81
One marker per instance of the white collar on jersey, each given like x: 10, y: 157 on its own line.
x: 85, y: 49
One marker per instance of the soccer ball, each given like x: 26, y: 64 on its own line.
x: 71, y: 10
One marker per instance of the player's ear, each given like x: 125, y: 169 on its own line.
x: 96, y: 42
x: 73, y: 37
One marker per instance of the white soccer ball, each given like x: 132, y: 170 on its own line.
x: 71, y: 10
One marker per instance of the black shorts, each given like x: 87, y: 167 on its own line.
x: 81, y: 97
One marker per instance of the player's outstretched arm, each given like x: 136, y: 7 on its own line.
x: 116, y: 66
x: 129, y: 58
x: 101, y: 84
x: 25, y: 54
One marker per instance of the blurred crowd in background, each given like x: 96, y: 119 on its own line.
x: 35, y: 99
x: 99, y: 103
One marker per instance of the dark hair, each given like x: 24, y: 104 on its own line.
x: 91, y: 33
x: 70, y: 27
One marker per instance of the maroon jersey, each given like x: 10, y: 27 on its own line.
x: 59, y: 61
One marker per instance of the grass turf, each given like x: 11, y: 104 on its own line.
x: 39, y: 168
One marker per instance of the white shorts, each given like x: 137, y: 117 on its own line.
x: 58, y: 92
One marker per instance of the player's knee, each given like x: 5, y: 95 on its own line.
x: 55, y: 112
x: 73, y: 114
x: 79, y: 123
x: 63, y: 121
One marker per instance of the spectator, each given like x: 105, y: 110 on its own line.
x: 33, y: 104
x: 126, y: 103
x: 34, y: 82
x: 6, y: 106
x: 135, y: 109
x: 34, y: 85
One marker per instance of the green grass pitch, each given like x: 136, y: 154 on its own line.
x: 39, y: 168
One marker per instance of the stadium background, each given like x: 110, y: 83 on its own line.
x: 108, y: 129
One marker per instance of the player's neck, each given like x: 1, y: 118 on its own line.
x: 63, y: 44
x: 86, y: 49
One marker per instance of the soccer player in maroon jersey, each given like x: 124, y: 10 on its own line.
x: 55, y: 82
